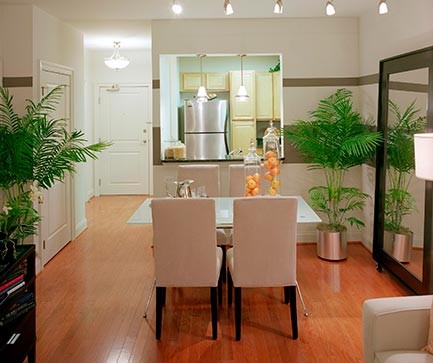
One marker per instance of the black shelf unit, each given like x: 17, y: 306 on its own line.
x: 18, y: 337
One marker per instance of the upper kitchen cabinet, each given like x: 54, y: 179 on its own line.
x: 213, y: 81
x: 276, y: 86
x: 264, y: 96
x: 190, y: 82
x: 268, y: 96
x: 243, y: 110
x: 217, y: 81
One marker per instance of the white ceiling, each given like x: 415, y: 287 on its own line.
x: 103, y: 21
x: 193, y: 9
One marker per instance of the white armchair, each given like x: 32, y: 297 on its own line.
x: 396, y: 329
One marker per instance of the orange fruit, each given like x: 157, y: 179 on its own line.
x: 255, y: 191
x: 275, y: 183
x: 267, y: 165
x: 275, y: 171
x: 256, y: 177
x: 251, y: 184
x: 272, y: 191
x: 268, y: 176
x: 270, y: 154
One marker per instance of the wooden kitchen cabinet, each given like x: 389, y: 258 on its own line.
x: 217, y: 81
x: 242, y: 133
x: 264, y: 96
x: 213, y: 81
x: 276, y: 86
x: 190, y: 82
x: 242, y: 110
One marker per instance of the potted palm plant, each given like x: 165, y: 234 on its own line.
x: 400, y: 165
x: 35, y: 152
x: 335, y: 139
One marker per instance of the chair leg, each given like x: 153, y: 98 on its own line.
x: 224, y: 264
x: 164, y: 295
x: 149, y: 299
x: 220, y: 290
x: 286, y: 294
x: 293, y: 312
x: 229, y: 288
x: 238, y: 312
x: 214, y: 312
x: 159, y: 303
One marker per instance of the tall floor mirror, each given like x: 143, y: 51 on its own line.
x: 403, y: 203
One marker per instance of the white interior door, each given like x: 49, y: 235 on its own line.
x: 56, y: 211
x: 124, y: 119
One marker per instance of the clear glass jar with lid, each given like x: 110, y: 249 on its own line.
x: 252, y: 172
x: 271, y: 152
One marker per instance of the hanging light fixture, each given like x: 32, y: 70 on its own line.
x: 116, y: 61
x: 176, y: 7
x: 330, y: 9
x: 201, y: 94
x: 228, y: 8
x: 278, y: 7
x: 242, y: 94
x: 383, y: 7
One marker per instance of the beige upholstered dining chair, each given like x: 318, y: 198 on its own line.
x: 264, y: 252
x: 182, y: 258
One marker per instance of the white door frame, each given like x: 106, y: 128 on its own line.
x: 97, y: 131
x: 45, y: 66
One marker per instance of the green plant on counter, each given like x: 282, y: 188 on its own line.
x: 276, y: 68
x: 400, y: 164
x: 335, y: 139
x: 35, y: 152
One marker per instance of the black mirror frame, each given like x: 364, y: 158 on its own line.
x: 422, y: 58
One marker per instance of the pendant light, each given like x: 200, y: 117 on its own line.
x: 228, y: 8
x: 201, y: 94
x: 176, y: 7
x: 383, y: 7
x: 330, y: 9
x: 116, y: 61
x: 278, y: 7
x: 242, y: 94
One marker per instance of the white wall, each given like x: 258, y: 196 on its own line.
x: 16, y: 28
x: 408, y: 26
x: 310, y: 48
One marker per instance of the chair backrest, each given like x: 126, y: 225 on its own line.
x: 237, y: 180
x: 184, y: 242
x: 203, y: 175
x: 264, y: 239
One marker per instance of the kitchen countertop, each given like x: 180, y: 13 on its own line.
x: 241, y: 159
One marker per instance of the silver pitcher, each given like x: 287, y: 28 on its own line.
x: 183, y: 189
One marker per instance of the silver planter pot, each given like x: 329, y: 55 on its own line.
x: 400, y: 245
x: 332, y: 245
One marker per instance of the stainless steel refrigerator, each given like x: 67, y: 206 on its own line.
x: 205, y: 129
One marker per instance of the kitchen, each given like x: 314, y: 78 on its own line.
x: 222, y: 127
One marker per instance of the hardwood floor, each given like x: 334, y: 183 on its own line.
x: 91, y: 300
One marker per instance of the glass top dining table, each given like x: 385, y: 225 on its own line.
x: 224, y: 212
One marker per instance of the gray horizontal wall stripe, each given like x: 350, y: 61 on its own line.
x: 369, y: 79
x: 17, y: 82
x: 411, y: 87
x: 319, y: 82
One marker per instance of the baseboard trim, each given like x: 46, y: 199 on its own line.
x: 80, y: 227
x: 90, y: 194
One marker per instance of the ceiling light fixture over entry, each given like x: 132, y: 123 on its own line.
x: 278, y: 8
x: 228, y: 8
x: 330, y: 9
x: 116, y: 61
x: 242, y: 94
x: 383, y: 7
x: 176, y: 7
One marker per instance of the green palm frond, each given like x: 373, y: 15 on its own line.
x: 335, y: 139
